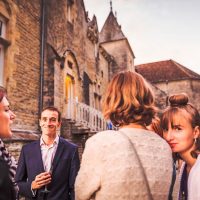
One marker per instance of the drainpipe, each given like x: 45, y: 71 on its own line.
x: 42, y: 45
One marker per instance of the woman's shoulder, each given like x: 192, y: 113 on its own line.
x: 102, y: 135
x: 149, y: 141
x: 106, y: 137
x: 160, y: 145
x: 157, y: 140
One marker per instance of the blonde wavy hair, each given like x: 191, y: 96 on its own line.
x: 129, y: 99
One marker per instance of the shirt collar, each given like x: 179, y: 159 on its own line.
x: 55, y: 142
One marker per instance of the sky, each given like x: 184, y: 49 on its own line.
x: 156, y: 29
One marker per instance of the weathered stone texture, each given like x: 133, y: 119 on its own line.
x: 72, y: 49
x: 15, y: 148
x: 23, y: 87
x: 191, y: 87
x: 122, y: 56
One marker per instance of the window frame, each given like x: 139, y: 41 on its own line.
x: 2, y: 27
x: 1, y: 64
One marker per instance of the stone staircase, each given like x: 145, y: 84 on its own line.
x: 85, y: 116
x: 81, y: 122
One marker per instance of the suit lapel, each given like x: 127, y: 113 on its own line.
x: 58, y: 154
x: 38, y: 155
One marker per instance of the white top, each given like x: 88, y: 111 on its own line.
x: 110, y: 169
x: 48, y: 153
x: 194, y: 181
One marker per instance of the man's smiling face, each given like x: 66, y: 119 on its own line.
x: 49, y: 122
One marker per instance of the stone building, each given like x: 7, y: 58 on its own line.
x: 53, y: 54
x: 172, y: 77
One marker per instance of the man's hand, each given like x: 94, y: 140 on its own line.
x: 41, y: 180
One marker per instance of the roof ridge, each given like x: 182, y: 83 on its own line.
x: 153, y: 62
x: 166, y: 70
x: 184, y: 69
x: 180, y: 67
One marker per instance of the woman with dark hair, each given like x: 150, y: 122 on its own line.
x: 181, y: 129
x: 7, y: 162
x: 133, y: 162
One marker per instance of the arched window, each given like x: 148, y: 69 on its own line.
x: 68, y: 87
x: 69, y: 96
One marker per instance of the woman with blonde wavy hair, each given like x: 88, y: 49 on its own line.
x: 133, y: 162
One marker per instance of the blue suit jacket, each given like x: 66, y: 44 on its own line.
x: 65, y: 168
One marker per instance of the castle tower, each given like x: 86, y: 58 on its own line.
x: 113, y: 40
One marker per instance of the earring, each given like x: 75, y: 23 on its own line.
x: 195, y: 140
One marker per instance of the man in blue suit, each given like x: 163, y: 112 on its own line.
x: 50, y: 162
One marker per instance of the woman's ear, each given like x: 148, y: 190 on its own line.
x: 196, y: 132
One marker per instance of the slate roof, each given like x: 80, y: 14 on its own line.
x: 168, y: 70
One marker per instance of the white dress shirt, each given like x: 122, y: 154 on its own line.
x: 48, y: 153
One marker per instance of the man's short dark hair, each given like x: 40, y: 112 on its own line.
x: 52, y: 108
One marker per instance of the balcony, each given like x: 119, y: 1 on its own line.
x: 85, y: 116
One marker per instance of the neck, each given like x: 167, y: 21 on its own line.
x: 48, y: 140
x: 134, y: 125
x: 188, y: 159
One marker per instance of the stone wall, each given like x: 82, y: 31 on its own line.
x: 191, y: 87
x: 65, y: 40
x: 21, y: 74
x: 122, y: 56
x: 14, y: 147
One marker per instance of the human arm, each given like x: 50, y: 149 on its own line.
x: 88, y: 178
x: 75, y: 165
x: 29, y: 185
x: 21, y: 176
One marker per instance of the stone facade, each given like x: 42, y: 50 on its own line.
x: 21, y: 66
x: 112, y: 38
x: 191, y: 87
x: 54, y: 55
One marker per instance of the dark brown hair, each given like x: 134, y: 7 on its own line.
x: 2, y: 93
x: 52, y: 108
x: 129, y: 99
x: 178, y: 104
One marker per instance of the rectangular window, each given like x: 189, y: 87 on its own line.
x: 69, y: 13
x: 1, y: 27
x: 1, y: 64
x: 70, y: 16
x: 95, y: 50
x: 70, y: 64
